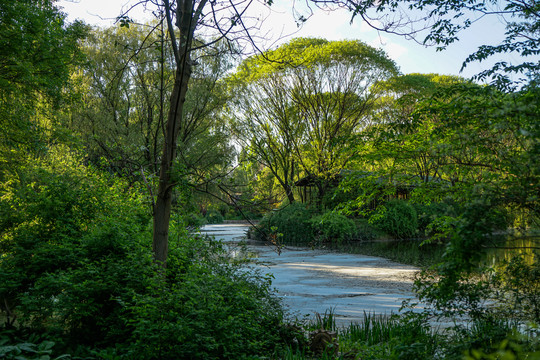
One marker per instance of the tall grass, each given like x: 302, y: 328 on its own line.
x: 374, y: 337
x: 376, y: 329
x: 326, y: 321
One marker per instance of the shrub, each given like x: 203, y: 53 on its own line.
x: 214, y: 217
x: 397, y: 218
x: 333, y: 227
x: 193, y: 220
x: 365, y: 231
x: 290, y: 223
x: 72, y: 251
x: 428, y: 213
x: 211, y: 310
x: 33, y: 347
x: 77, y: 267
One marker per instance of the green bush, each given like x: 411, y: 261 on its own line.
x: 291, y: 224
x: 211, y: 310
x: 333, y: 227
x: 30, y: 348
x: 365, y: 231
x: 397, y: 218
x: 214, y: 217
x: 77, y: 267
x: 194, y: 220
x: 72, y: 251
x: 428, y: 213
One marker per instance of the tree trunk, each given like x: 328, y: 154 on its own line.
x: 162, y: 209
x: 289, y: 192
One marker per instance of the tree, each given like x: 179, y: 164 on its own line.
x: 441, y: 22
x: 216, y: 21
x: 267, y: 127
x: 123, y: 96
x: 408, y: 147
x: 125, y: 83
x: 37, y: 52
x: 302, y: 111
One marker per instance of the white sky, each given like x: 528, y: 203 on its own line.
x: 409, y: 56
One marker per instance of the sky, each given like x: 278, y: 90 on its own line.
x: 334, y: 25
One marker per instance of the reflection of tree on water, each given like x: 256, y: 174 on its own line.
x: 504, y: 248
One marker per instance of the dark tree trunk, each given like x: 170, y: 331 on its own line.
x: 186, y: 20
x: 162, y: 210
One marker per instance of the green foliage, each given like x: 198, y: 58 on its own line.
x: 214, y: 217
x: 513, y: 346
x: 479, y: 336
x: 37, y: 48
x: 68, y: 243
x: 119, y: 116
x: 194, y: 220
x: 457, y: 290
x: 397, y: 218
x: 333, y: 227
x: 314, y: 52
x: 519, y: 284
x: 367, y: 232
x: 77, y: 265
x: 303, y: 109
x: 37, y: 53
x: 208, y: 310
x: 29, y: 351
x: 362, y: 192
x: 430, y: 215
x: 291, y: 224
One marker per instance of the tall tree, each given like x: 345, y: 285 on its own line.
x: 214, y: 21
x: 441, y: 22
x: 302, y: 111
x: 37, y: 52
x: 124, y: 83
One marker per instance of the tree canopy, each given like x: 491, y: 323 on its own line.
x: 301, y: 104
x: 37, y: 53
x: 440, y: 23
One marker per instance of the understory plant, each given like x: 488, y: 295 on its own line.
x: 290, y: 224
x: 397, y: 218
x: 333, y: 227
x: 77, y: 270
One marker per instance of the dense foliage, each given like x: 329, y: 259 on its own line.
x: 85, y: 136
x: 77, y: 265
x: 397, y: 218
x: 38, y: 51
x: 299, y: 107
x: 291, y: 224
x: 333, y: 227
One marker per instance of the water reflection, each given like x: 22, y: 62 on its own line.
x: 502, y: 249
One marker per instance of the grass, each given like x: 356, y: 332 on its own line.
x: 375, y: 337
x: 410, y: 337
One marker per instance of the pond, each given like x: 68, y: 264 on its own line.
x: 314, y: 281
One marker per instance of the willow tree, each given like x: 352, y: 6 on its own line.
x: 301, y: 106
